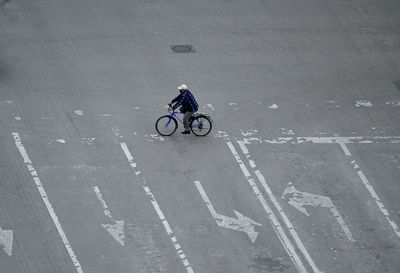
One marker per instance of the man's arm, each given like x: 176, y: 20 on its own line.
x: 178, y: 100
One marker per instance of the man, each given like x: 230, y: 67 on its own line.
x: 188, y: 103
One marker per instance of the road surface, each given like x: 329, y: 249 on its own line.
x: 300, y: 173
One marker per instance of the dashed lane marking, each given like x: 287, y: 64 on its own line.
x: 275, y: 223
x: 157, y: 208
x: 370, y: 189
x: 46, y: 201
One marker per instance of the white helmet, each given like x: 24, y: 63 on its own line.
x: 182, y: 87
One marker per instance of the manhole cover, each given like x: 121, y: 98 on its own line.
x: 397, y: 84
x: 182, y: 48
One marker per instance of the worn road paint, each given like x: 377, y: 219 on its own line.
x: 154, y: 137
x: 274, y: 201
x: 393, y: 103
x: 250, y: 132
x: 209, y: 105
x: 46, y: 201
x: 370, y: 189
x: 299, y: 200
x: 157, y: 208
x: 117, y: 228
x: 273, y: 106
x: 364, y: 103
x: 332, y: 104
x: 241, y: 223
x: 87, y: 140
x: 327, y: 140
x: 6, y: 240
x: 285, y: 131
x: 287, y: 244
x: 234, y: 104
x: 221, y: 134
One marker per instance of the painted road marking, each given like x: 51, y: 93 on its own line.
x: 287, y: 243
x: 289, y: 247
x: 117, y: 228
x: 157, y: 208
x: 363, y: 103
x: 370, y: 189
x: 241, y: 223
x: 46, y: 201
x: 299, y: 199
x: 326, y: 140
x: 6, y: 240
x: 342, y: 141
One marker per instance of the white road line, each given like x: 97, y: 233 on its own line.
x: 343, y: 224
x: 158, y: 210
x: 6, y: 240
x: 46, y: 201
x: 102, y: 201
x: 370, y: 188
x: 327, y: 140
x: 289, y: 247
x: 275, y: 202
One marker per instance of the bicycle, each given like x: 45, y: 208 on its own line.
x: 199, y: 123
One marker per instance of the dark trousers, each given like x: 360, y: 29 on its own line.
x: 186, y: 118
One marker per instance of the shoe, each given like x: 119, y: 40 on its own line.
x: 186, y: 132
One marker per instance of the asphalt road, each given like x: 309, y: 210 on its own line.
x: 300, y: 173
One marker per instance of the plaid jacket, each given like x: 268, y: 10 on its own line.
x: 187, y: 100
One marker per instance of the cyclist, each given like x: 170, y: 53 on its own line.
x: 188, y: 105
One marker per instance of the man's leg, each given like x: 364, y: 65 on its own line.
x: 186, y: 118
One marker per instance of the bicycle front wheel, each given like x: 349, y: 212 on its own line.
x: 201, y: 125
x: 166, y: 125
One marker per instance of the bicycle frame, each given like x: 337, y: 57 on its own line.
x: 174, y: 114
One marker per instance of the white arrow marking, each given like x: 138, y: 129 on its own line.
x: 278, y: 228
x: 6, y: 240
x: 241, y: 223
x: 300, y: 199
x: 117, y: 228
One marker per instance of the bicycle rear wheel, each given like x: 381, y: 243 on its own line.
x: 201, y: 125
x: 166, y: 125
